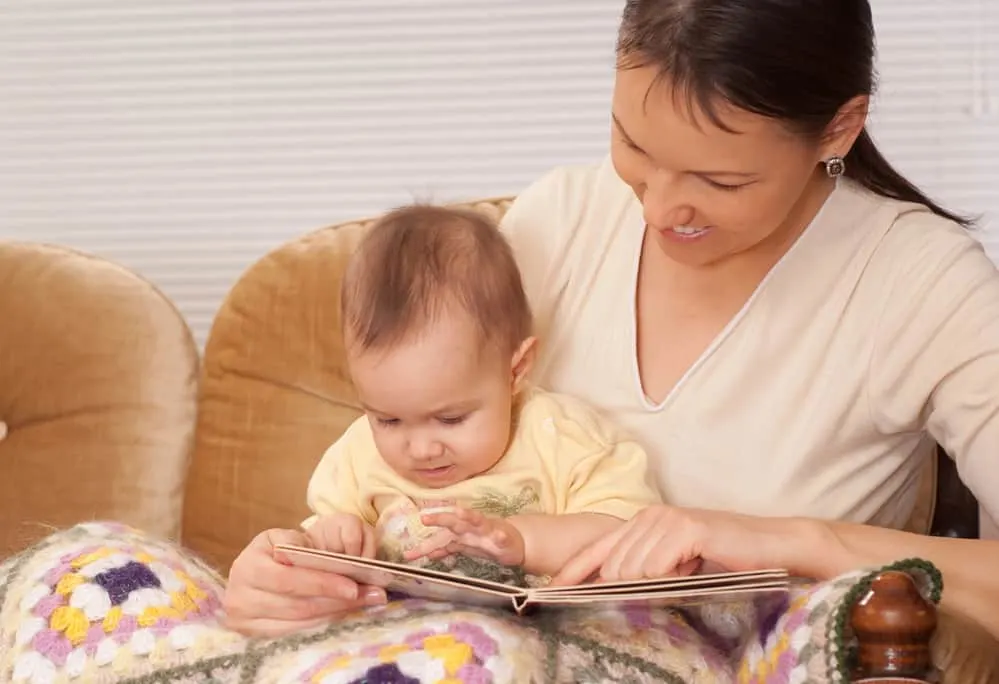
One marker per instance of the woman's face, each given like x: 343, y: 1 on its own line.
x: 709, y: 194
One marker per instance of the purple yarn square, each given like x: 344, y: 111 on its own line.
x: 388, y: 673
x: 120, y: 582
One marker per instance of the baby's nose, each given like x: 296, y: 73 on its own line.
x: 425, y: 449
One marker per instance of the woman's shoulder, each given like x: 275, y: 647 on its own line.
x: 567, y: 204
x: 920, y: 245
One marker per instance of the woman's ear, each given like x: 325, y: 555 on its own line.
x: 845, y: 127
x: 522, y: 361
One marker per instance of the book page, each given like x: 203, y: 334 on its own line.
x: 414, y: 582
x: 659, y: 599
x: 669, y: 585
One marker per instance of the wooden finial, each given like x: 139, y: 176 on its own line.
x: 893, y: 624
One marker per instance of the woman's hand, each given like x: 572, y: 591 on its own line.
x: 267, y: 597
x: 661, y: 541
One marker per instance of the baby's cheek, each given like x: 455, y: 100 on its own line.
x: 391, y: 449
x: 489, y: 443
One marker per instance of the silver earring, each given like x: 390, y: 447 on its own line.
x: 835, y: 166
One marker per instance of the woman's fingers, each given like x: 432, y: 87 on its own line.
x: 253, y: 603
x: 588, y: 561
x: 286, y: 580
x: 626, y: 560
x: 265, y: 597
x: 257, y: 568
x: 689, y: 568
x: 661, y: 543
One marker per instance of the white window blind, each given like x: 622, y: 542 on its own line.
x: 937, y: 114
x: 186, y: 138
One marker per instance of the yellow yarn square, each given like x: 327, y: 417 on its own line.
x: 111, y: 620
x: 67, y: 583
x: 71, y: 621
x: 390, y: 653
x: 89, y: 558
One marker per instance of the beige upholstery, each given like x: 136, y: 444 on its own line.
x: 97, y: 393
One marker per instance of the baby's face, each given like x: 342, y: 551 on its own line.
x: 440, y: 406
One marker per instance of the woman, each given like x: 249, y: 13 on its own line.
x: 748, y: 285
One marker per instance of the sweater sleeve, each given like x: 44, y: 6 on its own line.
x: 935, y: 360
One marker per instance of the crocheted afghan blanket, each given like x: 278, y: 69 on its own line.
x: 102, y: 603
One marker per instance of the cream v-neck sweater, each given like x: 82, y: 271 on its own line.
x: 875, y: 334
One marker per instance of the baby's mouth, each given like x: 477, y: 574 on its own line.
x: 437, y: 471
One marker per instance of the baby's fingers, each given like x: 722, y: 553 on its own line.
x: 459, y: 521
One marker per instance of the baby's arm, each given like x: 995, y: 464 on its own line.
x: 540, y: 544
x: 601, y: 479
x: 551, y: 541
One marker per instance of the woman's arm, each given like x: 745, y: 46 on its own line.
x: 823, y: 550
x: 664, y: 540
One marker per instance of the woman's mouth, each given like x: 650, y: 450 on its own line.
x: 686, y: 233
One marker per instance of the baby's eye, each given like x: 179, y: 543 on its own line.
x: 388, y: 422
x: 451, y: 420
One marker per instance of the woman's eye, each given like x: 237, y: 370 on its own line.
x: 633, y: 147
x: 451, y: 420
x: 725, y: 187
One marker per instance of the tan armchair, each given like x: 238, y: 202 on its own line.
x: 98, y: 376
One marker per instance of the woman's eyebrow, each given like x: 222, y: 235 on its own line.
x: 695, y: 172
x: 624, y: 133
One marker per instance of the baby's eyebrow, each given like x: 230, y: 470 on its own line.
x: 457, y: 407
x: 371, y: 409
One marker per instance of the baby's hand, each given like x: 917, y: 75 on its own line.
x: 343, y: 533
x: 474, y: 534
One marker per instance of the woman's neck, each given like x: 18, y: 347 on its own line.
x: 737, y: 275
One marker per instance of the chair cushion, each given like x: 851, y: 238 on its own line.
x: 98, y: 377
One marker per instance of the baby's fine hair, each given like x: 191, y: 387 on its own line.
x: 419, y: 262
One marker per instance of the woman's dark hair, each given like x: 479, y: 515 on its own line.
x: 798, y: 61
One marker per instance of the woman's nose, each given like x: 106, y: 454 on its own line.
x: 663, y: 203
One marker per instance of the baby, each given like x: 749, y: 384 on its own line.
x: 459, y: 463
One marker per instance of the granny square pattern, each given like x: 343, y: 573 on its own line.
x: 102, y: 603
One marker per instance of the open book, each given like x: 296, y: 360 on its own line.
x: 440, y: 586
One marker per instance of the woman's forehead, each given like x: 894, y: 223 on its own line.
x: 664, y: 119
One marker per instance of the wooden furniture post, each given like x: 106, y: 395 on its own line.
x: 893, y: 624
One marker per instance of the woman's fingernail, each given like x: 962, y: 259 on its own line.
x: 374, y: 597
